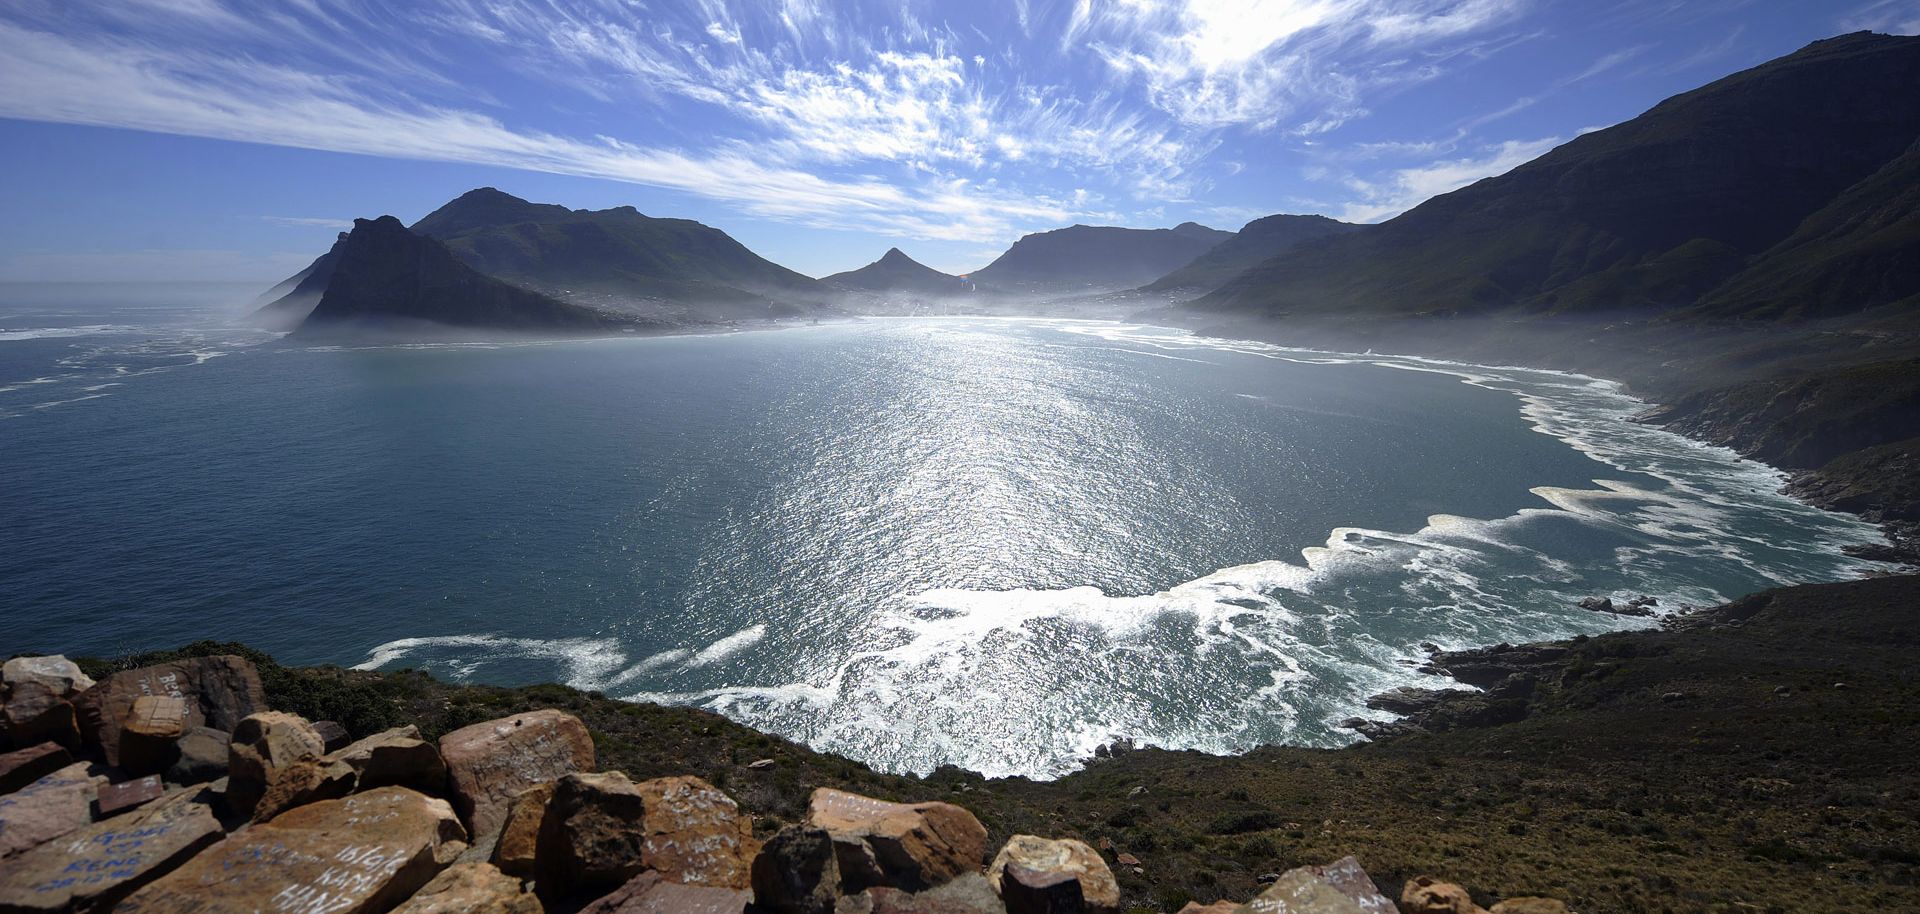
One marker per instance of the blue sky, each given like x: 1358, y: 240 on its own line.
x: 229, y: 139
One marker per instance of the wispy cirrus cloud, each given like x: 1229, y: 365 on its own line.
x: 1405, y: 188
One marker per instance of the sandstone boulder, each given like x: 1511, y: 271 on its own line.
x: 602, y: 830
x: 1347, y: 876
x: 472, y: 888
x: 24, y: 766
x: 114, y: 799
x: 46, y: 809
x: 1427, y: 895
x: 1038, y: 863
x: 264, y: 749
x: 148, y: 734
x: 333, y: 733
x: 519, y: 837
x: 395, y: 758
x: 1299, y: 891
x: 33, y: 712
x: 200, y: 756
x: 305, y: 781
x: 219, y: 691
x: 653, y: 893
x: 966, y: 894
x: 905, y: 846
x: 797, y: 872
x: 488, y: 764
x: 97, y: 865
x: 363, y: 854
x: 1218, y: 907
x: 1025, y: 890
x: 56, y: 673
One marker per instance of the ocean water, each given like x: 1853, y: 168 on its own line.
x: 995, y: 543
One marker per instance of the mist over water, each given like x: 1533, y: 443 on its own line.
x: 987, y: 542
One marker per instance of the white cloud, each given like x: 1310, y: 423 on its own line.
x: 1406, y: 188
x: 50, y: 78
x: 1893, y: 17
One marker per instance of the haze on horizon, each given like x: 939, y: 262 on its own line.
x: 220, y: 140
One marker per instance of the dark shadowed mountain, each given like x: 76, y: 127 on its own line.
x: 1256, y: 241
x: 660, y: 271
x: 284, y: 306
x: 896, y: 273
x: 388, y: 280
x: 613, y: 256
x: 1095, y: 257
x: 1659, y: 212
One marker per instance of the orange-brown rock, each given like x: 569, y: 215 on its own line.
x: 519, y: 837
x: 1045, y: 859
x: 394, y: 758
x: 472, y: 888
x: 602, y: 830
x: 266, y: 747
x: 363, y: 854
x: 24, y: 766
x: 147, y: 736
x: 797, y: 872
x: 1218, y: 907
x: 899, y: 845
x: 46, y: 809
x: 36, y: 700
x: 220, y: 692
x: 1427, y: 895
x: 653, y: 893
x: 95, y: 866
x: 305, y: 781
x: 488, y: 764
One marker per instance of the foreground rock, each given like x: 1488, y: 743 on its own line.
x: 24, y: 766
x: 653, y: 893
x: 490, y: 763
x: 601, y: 830
x: 472, y: 888
x: 97, y: 865
x: 1030, y: 869
x: 850, y: 844
x: 46, y: 809
x: 360, y: 855
x: 219, y: 693
x: 271, y: 751
x: 1427, y: 895
x: 394, y: 758
x: 515, y: 849
x: 36, y: 700
x: 968, y: 894
x: 904, y: 846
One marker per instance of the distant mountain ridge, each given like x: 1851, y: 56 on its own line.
x: 1658, y: 212
x: 895, y: 272
x: 1095, y: 257
x: 385, y: 279
x: 1256, y: 241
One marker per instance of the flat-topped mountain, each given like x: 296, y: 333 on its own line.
x: 384, y: 279
x: 1659, y: 212
x: 1095, y: 257
x: 1256, y: 241
x: 895, y: 272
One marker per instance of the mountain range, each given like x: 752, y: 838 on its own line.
x: 896, y: 273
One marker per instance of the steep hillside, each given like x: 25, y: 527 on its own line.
x: 1255, y: 242
x: 284, y: 306
x: 1657, y: 212
x: 1095, y: 257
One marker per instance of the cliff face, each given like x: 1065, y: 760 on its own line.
x: 386, y: 279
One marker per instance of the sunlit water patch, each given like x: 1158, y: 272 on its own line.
x: 991, y: 543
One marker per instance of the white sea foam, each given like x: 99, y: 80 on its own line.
x: 1028, y: 681
x: 43, y: 333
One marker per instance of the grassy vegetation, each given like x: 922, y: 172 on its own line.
x: 1612, y: 793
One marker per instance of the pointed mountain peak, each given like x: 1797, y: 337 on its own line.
x: 895, y: 255
x: 487, y: 195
